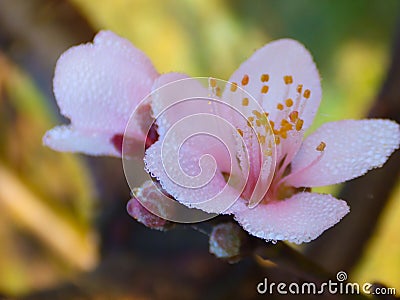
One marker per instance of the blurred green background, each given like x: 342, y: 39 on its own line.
x: 48, y: 200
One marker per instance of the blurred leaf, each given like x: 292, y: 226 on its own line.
x: 201, y: 38
x: 44, y: 195
x: 381, y: 262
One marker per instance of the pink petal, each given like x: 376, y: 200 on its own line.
x: 181, y: 103
x: 97, y: 86
x: 278, y: 59
x: 152, y: 207
x: 192, y: 179
x: 352, y: 148
x: 141, y: 214
x: 168, y: 100
x: 301, y: 218
x: 66, y: 139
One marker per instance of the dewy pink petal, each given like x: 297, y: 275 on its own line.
x: 301, y: 218
x: 275, y: 61
x: 188, y: 97
x: 97, y: 86
x: 182, y: 189
x: 353, y: 147
x: 141, y: 214
x: 63, y: 138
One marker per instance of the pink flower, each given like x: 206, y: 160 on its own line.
x: 283, y: 78
x: 97, y: 86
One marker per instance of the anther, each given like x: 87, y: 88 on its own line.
x: 299, y: 88
x: 264, y: 77
x: 307, y: 94
x: 233, y: 86
x: 263, y: 119
x: 213, y: 82
x: 264, y: 89
x: 299, y: 124
x: 267, y: 152
x: 257, y: 113
x: 279, y: 106
x: 289, y: 102
x: 272, y: 123
x: 293, y: 116
x: 261, y: 138
x: 218, y: 92
x: 245, y: 101
x: 285, y: 125
x: 321, y: 147
x: 245, y: 79
x: 288, y: 79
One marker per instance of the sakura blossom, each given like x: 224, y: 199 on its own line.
x: 224, y: 147
x: 284, y: 80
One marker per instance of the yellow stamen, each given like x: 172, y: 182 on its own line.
x: 288, y: 79
x: 289, y: 102
x: 218, y: 92
x: 233, y: 86
x: 321, y: 147
x: 286, y: 126
x: 264, y: 89
x: 293, y: 116
x: 257, y: 113
x: 240, y: 131
x: 272, y: 123
x: 284, y: 122
x: 307, y: 94
x: 264, y: 77
x: 261, y: 138
x: 279, y: 106
x: 299, y: 124
x: 245, y: 101
x: 299, y: 88
x: 213, y: 82
x: 268, y: 152
x: 245, y: 79
x: 263, y: 120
